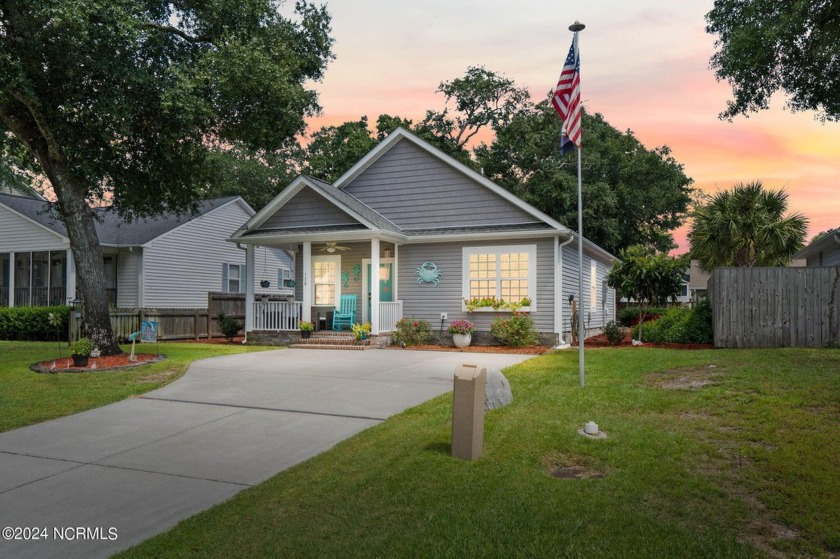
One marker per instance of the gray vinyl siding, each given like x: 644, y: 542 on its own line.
x: 307, y: 208
x: 415, y: 190
x: 830, y: 257
x: 128, y: 281
x: 18, y: 234
x: 427, y: 301
x: 603, y: 312
x: 181, y: 266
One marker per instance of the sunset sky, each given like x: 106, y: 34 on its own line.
x: 644, y: 66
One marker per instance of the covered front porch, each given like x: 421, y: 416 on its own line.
x: 327, y: 268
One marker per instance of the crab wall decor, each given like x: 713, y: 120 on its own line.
x: 428, y: 272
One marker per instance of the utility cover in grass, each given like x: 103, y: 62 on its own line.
x: 497, y: 392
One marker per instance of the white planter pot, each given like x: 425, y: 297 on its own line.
x: 462, y: 340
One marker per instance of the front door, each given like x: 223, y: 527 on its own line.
x: 386, y: 285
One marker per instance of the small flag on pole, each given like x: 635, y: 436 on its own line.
x: 566, y: 100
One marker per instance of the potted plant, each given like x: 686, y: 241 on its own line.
x: 461, y: 331
x: 306, y: 328
x: 265, y: 284
x: 80, y: 351
x: 362, y: 331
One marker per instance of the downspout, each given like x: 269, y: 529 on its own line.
x: 563, y: 343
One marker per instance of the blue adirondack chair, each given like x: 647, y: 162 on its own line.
x: 345, y: 314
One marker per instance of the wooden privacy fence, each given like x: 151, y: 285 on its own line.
x: 174, y: 323
x: 775, y: 307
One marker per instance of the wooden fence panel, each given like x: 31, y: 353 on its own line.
x: 776, y: 307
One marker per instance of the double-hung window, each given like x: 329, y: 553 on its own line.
x: 233, y: 278
x: 502, y: 272
x: 325, y: 280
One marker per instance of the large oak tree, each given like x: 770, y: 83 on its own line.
x: 764, y: 46
x: 120, y: 100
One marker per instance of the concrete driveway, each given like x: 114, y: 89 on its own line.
x: 101, y: 481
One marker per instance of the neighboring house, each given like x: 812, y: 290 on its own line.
x: 169, y: 261
x: 409, y: 213
x: 825, y: 251
x: 698, y: 281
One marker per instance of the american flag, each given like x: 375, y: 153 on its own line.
x: 566, y: 100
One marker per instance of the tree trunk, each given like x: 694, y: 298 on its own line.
x: 91, y: 286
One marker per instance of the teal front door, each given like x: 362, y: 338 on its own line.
x: 386, y: 284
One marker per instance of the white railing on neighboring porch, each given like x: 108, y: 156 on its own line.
x: 277, y: 315
x: 389, y: 314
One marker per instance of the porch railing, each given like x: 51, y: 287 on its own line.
x: 277, y: 315
x: 389, y: 314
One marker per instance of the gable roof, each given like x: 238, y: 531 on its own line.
x: 365, y: 216
x: 111, y: 229
x: 826, y: 241
x: 401, y: 134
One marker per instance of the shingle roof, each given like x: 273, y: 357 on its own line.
x: 354, y: 204
x: 110, y: 228
x: 518, y: 227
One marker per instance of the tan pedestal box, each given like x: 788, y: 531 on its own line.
x: 468, y: 411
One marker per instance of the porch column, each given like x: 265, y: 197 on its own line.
x: 374, y: 286
x: 396, y: 271
x: 249, y: 289
x: 11, y: 279
x: 307, y: 280
x: 71, y: 276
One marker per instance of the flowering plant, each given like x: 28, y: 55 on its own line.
x: 362, y: 331
x: 461, y: 327
x: 496, y: 304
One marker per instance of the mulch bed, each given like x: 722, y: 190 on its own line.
x: 95, y: 364
x: 600, y: 341
x: 527, y: 350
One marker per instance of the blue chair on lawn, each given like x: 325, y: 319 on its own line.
x: 345, y: 314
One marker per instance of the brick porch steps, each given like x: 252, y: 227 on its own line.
x: 327, y: 339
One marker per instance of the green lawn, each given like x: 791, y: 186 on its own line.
x: 717, y: 453
x: 28, y: 397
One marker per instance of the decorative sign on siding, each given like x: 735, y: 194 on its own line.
x: 428, y: 272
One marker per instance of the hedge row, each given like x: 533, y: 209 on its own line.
x: 33, y: 323
x: 680, y: 325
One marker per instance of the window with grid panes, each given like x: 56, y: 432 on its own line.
x: 503, y: 272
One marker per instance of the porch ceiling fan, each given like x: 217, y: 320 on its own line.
x: 332, y: 247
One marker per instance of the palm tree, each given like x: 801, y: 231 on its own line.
x: 745, y: 227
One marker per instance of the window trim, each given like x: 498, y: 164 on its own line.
x: 226, y: 266
x: 327, y: 258
x: 466, y: 252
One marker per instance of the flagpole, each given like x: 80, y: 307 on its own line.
x: 576, y: 28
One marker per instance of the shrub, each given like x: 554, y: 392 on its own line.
x: 515, y: 330
x: 33, y: 323
x: 680, y: 325
x: 229, y: 326
x: 412, y: 331
x: 629, y: 315
x: 613, y: 332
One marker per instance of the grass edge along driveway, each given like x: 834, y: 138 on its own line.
x: 29, y: 397
x: 718, y: 453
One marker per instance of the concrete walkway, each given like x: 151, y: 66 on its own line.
x: 103, y: 480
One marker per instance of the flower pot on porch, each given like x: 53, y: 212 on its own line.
x: 305, y: 334
x: 265, y: 283
x: 80, y: 360
x: 462, y: 340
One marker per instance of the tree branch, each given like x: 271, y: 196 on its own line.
x: 175, y: 31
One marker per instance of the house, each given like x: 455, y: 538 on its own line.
x: 169, y: 261
x: 825, y: 251
x: 414, y: 233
